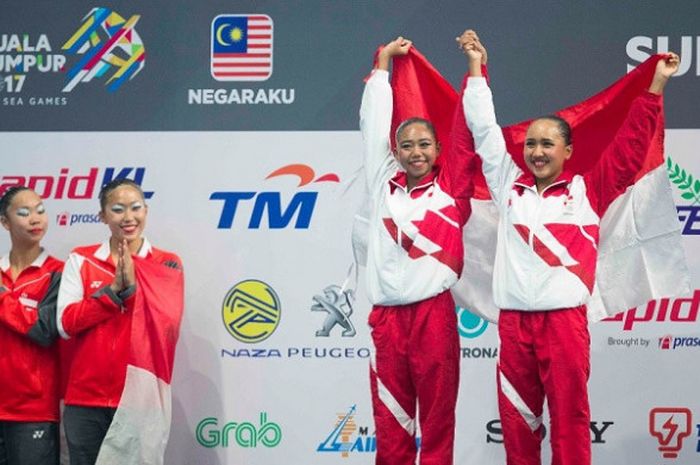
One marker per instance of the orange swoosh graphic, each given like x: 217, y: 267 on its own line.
x: 304, y: 172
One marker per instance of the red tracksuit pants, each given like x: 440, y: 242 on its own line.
x: 544, y: 354
x: 416, y: 366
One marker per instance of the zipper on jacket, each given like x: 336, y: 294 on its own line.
x: 531, y: 242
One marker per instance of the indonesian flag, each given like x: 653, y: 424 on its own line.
x: 640, y: 256
x: 141, y: 425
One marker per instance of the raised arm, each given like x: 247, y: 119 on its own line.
x: 375, y: 114
x: 625, y: 156
x: 497, y: 165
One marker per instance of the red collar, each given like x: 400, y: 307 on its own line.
x: 527, y: 180
x: 401, y: 180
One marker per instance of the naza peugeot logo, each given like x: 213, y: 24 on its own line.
x: 300, y: 206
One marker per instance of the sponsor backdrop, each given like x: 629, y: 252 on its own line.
x: 239, y: 120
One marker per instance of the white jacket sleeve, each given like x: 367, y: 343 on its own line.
x: 499, y: 169
x: 375, y: 125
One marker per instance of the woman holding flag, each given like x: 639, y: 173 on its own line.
x: 547, y: 248
x: 419, y: 196
x: 111, y: 297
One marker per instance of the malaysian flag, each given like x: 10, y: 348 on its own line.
x: 241, y: 47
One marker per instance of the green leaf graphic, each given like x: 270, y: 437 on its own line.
x: 686, y: 183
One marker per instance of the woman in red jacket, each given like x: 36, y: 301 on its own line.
x: 29, y: 280
x: 95, y: 306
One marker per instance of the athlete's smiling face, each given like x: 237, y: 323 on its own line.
x: 125, y: 213
x: 416, y: 151
x: 545, y: 151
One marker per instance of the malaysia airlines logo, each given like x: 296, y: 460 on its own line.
x: 241, y: 47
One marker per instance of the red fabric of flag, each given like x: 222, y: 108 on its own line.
x: 155, y: 325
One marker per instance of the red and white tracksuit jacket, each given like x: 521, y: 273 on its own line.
x: 414, y: 256
x: 415, y: 246
x: 98, y: 322
x: 28, y: 358
x: 544, y: 275
x: 546, y: 250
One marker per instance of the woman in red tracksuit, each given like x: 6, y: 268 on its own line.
x: 544, y: 272
x: 29, y: 280
x: 414, y: 256
x: 95, y: 301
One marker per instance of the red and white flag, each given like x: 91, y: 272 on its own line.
x: 241, y: 47
x: 141, y: 425
x: 640, y: 256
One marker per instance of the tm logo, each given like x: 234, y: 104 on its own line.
x: 689, y: 186
x: 301, y: 205
x: 470, y: 325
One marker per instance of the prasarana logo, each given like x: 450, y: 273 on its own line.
x: 251, y: 311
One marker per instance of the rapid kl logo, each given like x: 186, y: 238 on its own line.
x: 683, y: 310
x: 72, y: 186
x: 105, y: 41
x: 269, y: 203
x: 689, y: 188
x: 670, y: 426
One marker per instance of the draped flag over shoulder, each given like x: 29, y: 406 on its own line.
x: 639, y: 230
x: 141, y: 426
